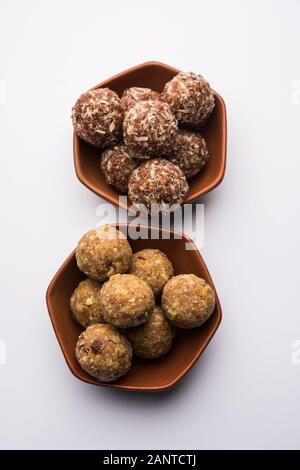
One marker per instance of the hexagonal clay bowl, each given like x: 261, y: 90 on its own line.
x: 145, y: 374
x: 154, y: 75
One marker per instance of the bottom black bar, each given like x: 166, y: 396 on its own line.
x: 137, y: 459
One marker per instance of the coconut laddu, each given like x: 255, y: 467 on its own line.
x: 98, y: 116
x: 133, y: 94
x: 85, y: 303
x: 188, y: 301
x: 154, y: 338
x: 190, y: 98
x: 103, y: 252
x: 157, y: 184
x: 126, y: 300
x: 149, y: 128
x: 154, y: 267
x: 103, y: 352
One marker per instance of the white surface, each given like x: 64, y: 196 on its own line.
x: 244, y: 392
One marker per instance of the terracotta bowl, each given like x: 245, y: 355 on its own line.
x: 154, y: 75
x: 144, y: 375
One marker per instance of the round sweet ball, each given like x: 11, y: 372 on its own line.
x: 188, y: 301
x: 190, y: 152
x: 190, y: 98
x: 135, y: 93
x: 126, y: 301
x: 154, y: 338
x: 103, y: 252
x: 97, y: 117
x: 149, y: 128
x: 154, y: 267
x: 103, y: 353
x: 85, y: 303
x: 117, y: 166
x: 157, y: 182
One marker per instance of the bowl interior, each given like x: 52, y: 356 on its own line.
x: 144, y: 374
x: 155, y: 75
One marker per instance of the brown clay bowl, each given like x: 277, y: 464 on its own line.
x: 144, y: 375
x: 154, y: 75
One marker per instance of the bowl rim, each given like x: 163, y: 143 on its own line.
x: 193, y: 360
x: 188, y: 199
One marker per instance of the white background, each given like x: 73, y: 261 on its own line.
x: 244, y: 391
